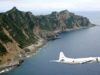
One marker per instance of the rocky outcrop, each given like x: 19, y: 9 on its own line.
x: 20, y: 29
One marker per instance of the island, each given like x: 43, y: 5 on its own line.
x: 22, y: 33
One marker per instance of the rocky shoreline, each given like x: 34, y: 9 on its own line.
x: 9, y: 67
x: 32, y: 49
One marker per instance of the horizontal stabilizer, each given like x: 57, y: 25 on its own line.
x: 54, y: 61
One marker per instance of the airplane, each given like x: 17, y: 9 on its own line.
x: 67, y: 60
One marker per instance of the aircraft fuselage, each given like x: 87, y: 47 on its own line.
x: 67, y: 60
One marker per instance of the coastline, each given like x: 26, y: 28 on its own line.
x: 30, y: 50
x: 33, y: 48
x: 6, y: 68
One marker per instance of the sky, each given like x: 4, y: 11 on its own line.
x: 51, y: 5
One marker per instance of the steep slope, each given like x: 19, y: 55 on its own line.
x: 16, y: 32
x: 19, y: 29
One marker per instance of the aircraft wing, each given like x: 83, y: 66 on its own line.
x: 88, y: 61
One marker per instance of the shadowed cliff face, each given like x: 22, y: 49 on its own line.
x: 19, y: 29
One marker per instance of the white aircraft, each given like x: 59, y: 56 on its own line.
x: 66, y: 60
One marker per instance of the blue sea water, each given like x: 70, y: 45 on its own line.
x: 78, y: 43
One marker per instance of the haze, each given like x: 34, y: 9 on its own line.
x: 50, y: 5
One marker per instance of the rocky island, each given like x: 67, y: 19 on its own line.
x: 21, y: 33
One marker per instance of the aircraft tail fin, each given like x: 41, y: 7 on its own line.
x: 61, y: 56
